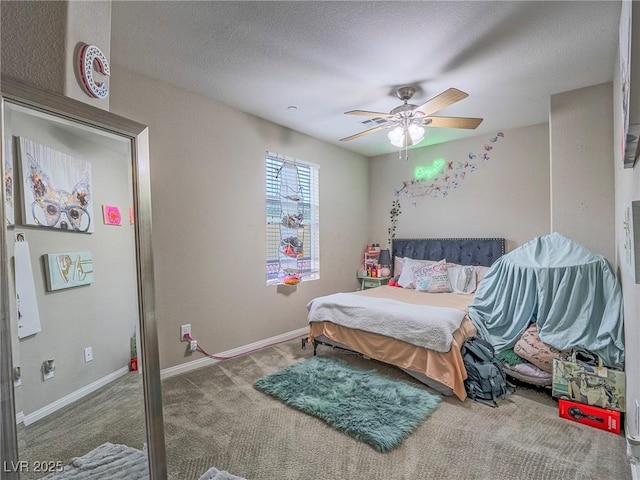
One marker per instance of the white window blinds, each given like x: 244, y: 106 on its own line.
x: 292, y: 216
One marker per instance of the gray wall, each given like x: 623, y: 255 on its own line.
x: 582, y: 167
x: 506, y: 196
x: 102, y: 315
x: 33, y: 43
x: 40, y: 42
x: 209, y: 233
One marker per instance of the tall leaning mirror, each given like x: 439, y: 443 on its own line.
x: 79, y: 372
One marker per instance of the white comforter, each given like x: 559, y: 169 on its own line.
x: 421, y: 325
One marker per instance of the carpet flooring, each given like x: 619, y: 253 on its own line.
x: 215, y: 417
x: 372, y: 408
x: 233, y: 426
x: 114, y: 414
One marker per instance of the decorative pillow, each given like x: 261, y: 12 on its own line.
x: 527, y: 374
x: 398, y: 263
x: 531, y: 348
x: 530, y: 370
x: 481, y: 271
x: 406, y: 275
x: 462, y: 278
x: 432, y: 278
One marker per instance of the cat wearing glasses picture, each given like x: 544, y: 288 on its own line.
x: 57, y: 189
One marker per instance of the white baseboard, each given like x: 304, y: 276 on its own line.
x: 203, y: 362
x: 30, y: 418
x: 635, y: 469
x: 19, y: 418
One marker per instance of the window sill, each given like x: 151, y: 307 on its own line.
x: 279, y: 282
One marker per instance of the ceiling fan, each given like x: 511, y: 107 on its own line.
x: 408, y: 120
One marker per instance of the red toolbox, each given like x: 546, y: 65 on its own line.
x: 597, y: 417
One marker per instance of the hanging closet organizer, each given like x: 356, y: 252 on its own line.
x: 291, y: 247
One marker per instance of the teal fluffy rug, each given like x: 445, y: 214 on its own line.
x: 364, y: 404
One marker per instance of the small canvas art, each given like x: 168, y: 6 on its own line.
x: 66, y: 270
x: 111, y: 215
x: 631, y: 146
x: 631, y: 225
x: 624, y: 49
x: 7, y: 153
x: 56, y: 189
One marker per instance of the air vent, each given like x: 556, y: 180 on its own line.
x: 375, y: 121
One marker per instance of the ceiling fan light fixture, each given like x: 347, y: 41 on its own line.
x: 416, y: 132
x: 405, y: 136
x: 396, y: 137
x: 409, y: 120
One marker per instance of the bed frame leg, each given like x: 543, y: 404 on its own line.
x: 315, y: 347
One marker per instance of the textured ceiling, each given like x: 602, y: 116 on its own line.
x: 329, y: 57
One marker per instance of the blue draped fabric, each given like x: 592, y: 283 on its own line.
x: 571, y: 293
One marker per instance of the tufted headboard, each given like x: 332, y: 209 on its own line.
x: 464, y: 251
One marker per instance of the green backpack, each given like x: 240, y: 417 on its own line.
x: 486, y: 381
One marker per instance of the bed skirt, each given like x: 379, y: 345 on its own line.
x: 444, y: 372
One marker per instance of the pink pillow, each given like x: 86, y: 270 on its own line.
x: 480, y: 273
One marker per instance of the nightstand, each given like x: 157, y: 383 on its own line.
x: 373, y: 282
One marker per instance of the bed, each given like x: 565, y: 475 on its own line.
x: 441, y: 370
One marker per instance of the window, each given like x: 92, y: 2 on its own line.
x: 292, y: 215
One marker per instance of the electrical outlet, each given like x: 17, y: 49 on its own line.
x: 88, y: 354
x: 193, y: 345
x: 17, y: 377
x: 48, y: 368
x: 185, y: 330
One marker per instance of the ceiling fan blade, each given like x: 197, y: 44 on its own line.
x: 452, y: 122
x: 446, y: 98
x: 366, y: 113
x: 366, y: 132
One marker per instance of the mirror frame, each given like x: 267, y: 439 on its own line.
x: 17, y: 92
